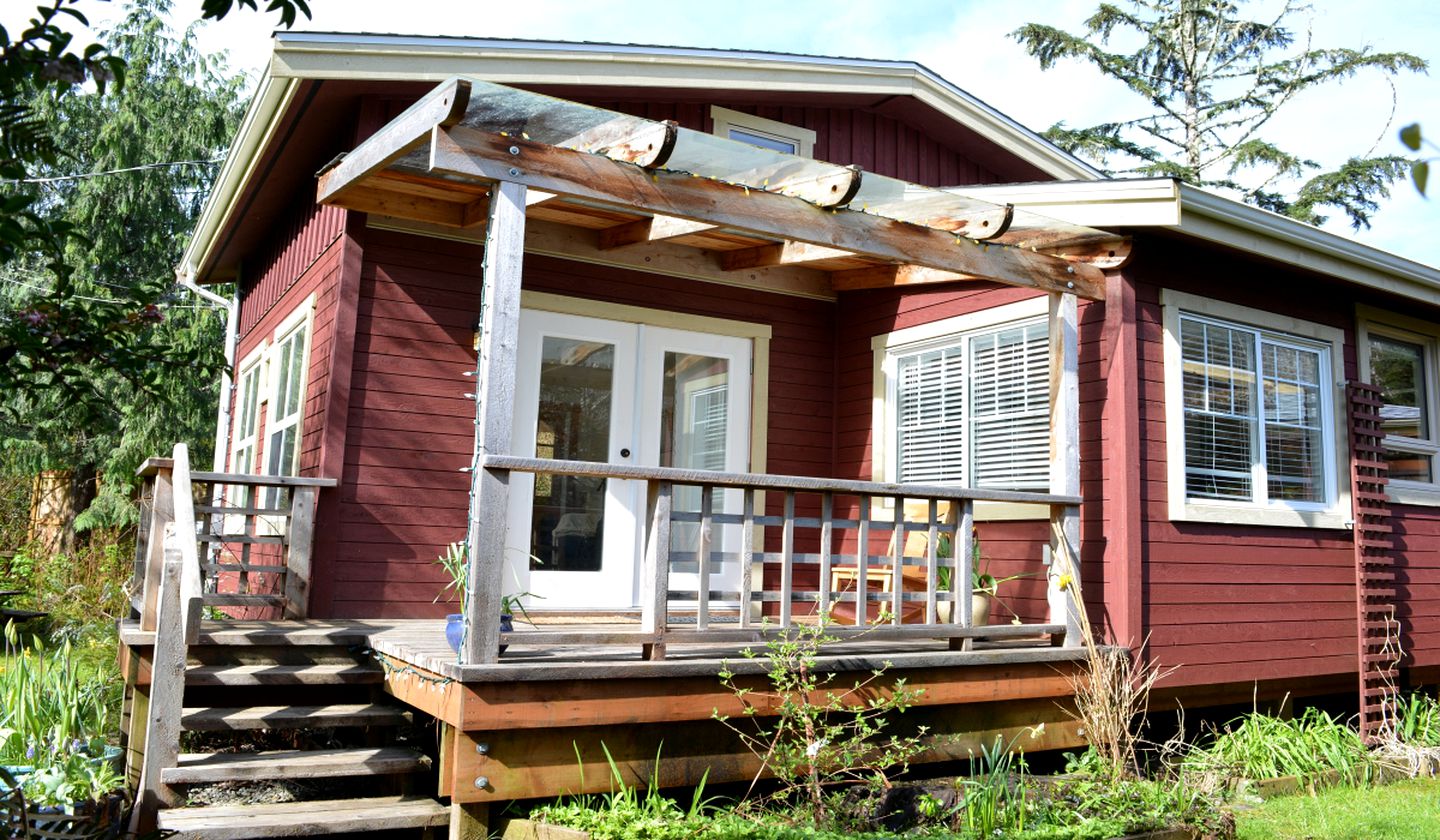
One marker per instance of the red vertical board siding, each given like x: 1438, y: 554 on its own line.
x: 293, y: 246
x: 403, y: 497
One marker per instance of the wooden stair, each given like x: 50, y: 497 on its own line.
x: 236, y: 685
x: 1375, y: 576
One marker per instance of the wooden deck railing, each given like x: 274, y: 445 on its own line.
x: 882, y: 593
x: 257, y: 533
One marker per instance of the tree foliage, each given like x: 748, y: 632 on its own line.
x: 105, y: 361
x: 1212, y: 82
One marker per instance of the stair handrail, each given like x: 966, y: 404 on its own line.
x: 191, y: 578
x: 167, y: 677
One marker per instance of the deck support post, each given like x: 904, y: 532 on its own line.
x: 469, y: 820
x: 494, y: 419
x: 1063, y: 592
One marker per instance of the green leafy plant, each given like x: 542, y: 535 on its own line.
x: 813, y: 735
x: 49, y: 705
x: 1259, y: 746
x: 456, y: 562
x: 627, y: 813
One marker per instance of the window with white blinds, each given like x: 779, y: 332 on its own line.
x: 974, y: 409
x: 1255, y: 414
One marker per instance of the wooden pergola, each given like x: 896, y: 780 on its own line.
x: 472, y: 154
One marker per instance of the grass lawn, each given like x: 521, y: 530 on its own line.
x: 1408, y: 809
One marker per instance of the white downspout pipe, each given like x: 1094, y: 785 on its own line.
x: 227, y: 384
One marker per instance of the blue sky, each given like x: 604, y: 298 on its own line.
x: 963, y: 40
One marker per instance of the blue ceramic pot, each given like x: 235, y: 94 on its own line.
x: 455, y: 629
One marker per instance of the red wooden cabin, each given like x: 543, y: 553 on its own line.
x: 686, y: 289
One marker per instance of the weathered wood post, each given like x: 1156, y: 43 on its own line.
x: 494, y: 419
x: 191, y: 585
x: 162, y: 513
x: 1063, y: 592
x: 299, y: 545
x: 167, y: 686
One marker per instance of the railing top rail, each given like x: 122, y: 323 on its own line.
x: 262, y: 480
x: 761, y: 481
x: 151, y: 466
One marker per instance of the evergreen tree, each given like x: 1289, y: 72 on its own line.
x: 1212, y: 82
x: 131, y: 177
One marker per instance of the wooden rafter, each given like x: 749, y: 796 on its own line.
x: 884, y: 276
x: 466, y: 154
x: 779, y: 253
x: 654, y: 229
x: 463, y: 158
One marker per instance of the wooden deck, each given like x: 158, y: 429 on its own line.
x: 540, y: 652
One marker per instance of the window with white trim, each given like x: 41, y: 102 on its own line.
x: 247, y: 416
x: 287, y: 403
x: 1399, y: 356
x: 1250, y: 415
x: 971, y: 407
x: 759, y: 131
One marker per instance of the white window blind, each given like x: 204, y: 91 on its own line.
x: 1010, y: 408
x: 976, y: 410
x: 1254, y: 414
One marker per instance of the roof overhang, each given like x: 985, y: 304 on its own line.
x: 304, y: 56
x: 1206, y: 216
x: 644, y: 181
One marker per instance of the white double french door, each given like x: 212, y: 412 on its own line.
x: 589, y: 389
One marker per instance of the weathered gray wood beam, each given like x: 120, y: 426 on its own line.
x: 443, y: 106
x: 779, y: 253
x: 494, y: 417
x: 469, y: 155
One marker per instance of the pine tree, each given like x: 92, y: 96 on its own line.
x: 1212, y: 82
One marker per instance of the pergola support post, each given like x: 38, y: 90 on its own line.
x: 1063, y: 592
x: 494, y: 419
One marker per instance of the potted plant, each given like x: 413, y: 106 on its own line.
x: 984, y: 587
x: 455, y: 561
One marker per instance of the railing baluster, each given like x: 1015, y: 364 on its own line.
x: 827, y: 537
x: 897, y: 561
x: 964, y: 575
x: 862, y: 563
x: 787, y: 559
x: 747, y: 557
x: 932, y: 553
x: 653, y: 619
x: 702, y: 557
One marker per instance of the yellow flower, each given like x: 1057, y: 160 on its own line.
x: 1064, y: 582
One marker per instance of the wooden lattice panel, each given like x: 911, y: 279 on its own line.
x: 1378, y: 629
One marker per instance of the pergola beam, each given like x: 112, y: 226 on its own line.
x: 444, y: 106
x: 467, y: 155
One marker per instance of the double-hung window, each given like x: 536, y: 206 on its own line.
x: 966, y: 401
x: 1399, y: 356
x: 1250, y: 402
x: 247, y: 417
x: 270, y: 402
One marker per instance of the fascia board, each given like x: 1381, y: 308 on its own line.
x: 1225, y: 221
x: 1148, y: 202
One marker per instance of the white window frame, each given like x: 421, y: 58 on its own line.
x: 1334, y: 512
x: 1426, y: 334
x: 251, y: 367
x: 724, y: 119
x: 302, y: 318
x: 886, y: 350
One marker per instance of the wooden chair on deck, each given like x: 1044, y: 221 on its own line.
x: 880, y: 578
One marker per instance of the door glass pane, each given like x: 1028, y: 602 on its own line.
x: 576, y: 385
x: 693, y: 431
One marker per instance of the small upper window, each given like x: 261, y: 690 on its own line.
x: 767, y: 134
x: 1399, y: 356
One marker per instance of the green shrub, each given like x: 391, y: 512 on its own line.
x: 1258, y: 746
x: 51, y: 704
